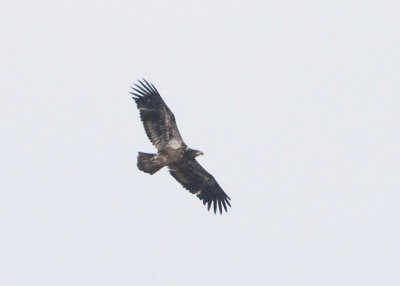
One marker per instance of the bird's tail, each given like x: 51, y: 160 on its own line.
x: 149, y: 163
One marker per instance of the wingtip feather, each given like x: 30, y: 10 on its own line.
x: 224, y: 204
x: 142, y: 90
x: 145, y: 86
x: 155, y: 89
x: 148, y: 85
x: 135, y: 96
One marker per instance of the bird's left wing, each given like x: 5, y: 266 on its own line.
x: 158, y: 120
x: 198, y: 181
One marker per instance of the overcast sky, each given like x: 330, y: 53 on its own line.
x: 296, y: 105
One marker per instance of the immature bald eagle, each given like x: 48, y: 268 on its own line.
x: 160, y: 126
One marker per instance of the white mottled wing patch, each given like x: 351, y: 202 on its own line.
x: 174, y: 144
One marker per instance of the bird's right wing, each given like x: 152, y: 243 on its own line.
x: 198, y: 181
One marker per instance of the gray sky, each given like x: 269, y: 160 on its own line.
x: 294, y: 103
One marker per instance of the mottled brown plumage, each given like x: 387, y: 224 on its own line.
x: 160, y: 126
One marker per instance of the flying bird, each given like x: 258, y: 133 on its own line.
x: 172, y: 152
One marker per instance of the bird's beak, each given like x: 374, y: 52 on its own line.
x: 198, y: 153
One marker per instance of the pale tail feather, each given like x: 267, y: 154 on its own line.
x: 148, y: 163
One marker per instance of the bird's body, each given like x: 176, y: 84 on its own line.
x: 160, y: 126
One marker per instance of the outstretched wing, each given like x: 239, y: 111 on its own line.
x: 198, y: 181
x: 158, y: 120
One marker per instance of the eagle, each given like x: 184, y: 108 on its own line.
x: 172, y: 152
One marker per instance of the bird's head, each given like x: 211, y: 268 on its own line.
x: 193, y: 153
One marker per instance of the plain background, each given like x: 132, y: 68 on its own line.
x: 294, y: 103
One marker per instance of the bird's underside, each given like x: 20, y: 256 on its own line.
x: 160, y: 126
